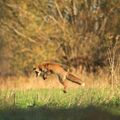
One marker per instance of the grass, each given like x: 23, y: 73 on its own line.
x: 52, y: 104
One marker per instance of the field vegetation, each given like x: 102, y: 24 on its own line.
x: 51, y: 104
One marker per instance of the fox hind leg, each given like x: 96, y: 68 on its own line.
x: 62, y: 81
x: 65, y: 86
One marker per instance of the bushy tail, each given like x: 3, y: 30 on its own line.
x: 75, y: 79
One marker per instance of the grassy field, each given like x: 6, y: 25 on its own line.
x: 53, y: 104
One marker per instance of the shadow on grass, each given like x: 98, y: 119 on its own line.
x: 46, y: 113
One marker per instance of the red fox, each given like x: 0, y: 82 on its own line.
x: 46, y: 69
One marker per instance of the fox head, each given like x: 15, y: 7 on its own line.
x: 37, y: 71
x: 40, y: 70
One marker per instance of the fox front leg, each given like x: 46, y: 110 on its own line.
x: 45, y: 74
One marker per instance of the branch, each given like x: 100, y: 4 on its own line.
x: 58, y: 9
x: 18, y: 32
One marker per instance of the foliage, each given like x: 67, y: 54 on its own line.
x: 35, y: 31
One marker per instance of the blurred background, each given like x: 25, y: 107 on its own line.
x: 83, y: 35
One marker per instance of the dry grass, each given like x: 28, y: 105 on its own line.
x: 52, y: 82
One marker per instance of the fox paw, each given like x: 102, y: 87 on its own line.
x: 64, y: 91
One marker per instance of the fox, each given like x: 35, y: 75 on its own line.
x: 46, y: 69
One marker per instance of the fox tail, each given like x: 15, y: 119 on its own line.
x: 75, y: 79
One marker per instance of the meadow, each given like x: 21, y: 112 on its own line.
x: 53, y: 104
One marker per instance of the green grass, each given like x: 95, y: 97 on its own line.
x: 53, y: 104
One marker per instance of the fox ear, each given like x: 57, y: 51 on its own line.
x: 34, y: 68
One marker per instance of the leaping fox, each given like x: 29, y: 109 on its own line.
x: 46, y: 69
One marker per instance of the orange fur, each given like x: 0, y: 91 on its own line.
x: 53, y: 68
